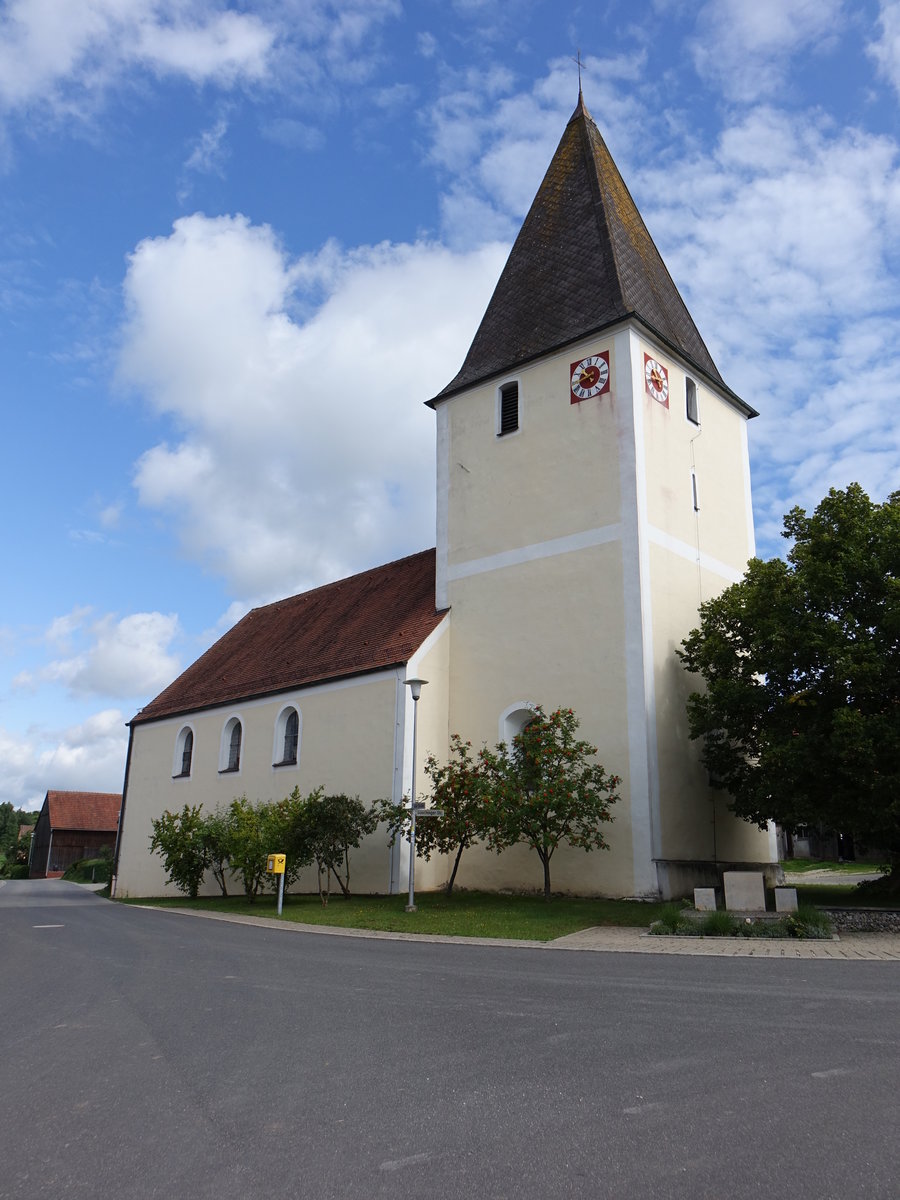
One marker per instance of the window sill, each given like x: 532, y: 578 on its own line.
x: 230, y: 770
x: 286, y: 762
x: 183, y: 775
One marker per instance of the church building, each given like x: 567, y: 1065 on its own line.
x: 593, y: 488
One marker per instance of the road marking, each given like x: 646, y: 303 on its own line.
x: 830, y: 1074
x: 48, y: 927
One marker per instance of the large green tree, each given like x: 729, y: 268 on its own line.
x: 800, y: 716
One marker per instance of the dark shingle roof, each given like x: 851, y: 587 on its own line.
x: 370, y: 621
x: 583, y: 260
x: 98, y: 811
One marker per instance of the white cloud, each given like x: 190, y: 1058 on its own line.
x: 307, y: 450
x: 126, y: 657
x: 63, y: 57
x: 209, y: 152
x: 746, y: 48
x: 89, y: 756
x: 426, y: 44
x: 61, y: 630
x: 296, y: 135
x: 110, y: 515
x: 62, y: 53
x: 785, y: 242
x: 886, y: 50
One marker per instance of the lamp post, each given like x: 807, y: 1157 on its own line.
x: 415, y: 688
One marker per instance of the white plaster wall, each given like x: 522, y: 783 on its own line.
x: 557, y: 475
x: 693, y: 554
x: 548, y: 631
x: 347, y: 745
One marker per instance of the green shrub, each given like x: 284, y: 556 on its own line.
x: 88, y: 870
x: 718, y: 924
x: 806, y: 922
x: 671, y: 920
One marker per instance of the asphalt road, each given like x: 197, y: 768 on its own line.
x: 147, y: 1054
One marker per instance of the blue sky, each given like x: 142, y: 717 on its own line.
x: 240, y: 244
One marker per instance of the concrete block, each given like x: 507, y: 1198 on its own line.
x: 744, y: 891
x: 785, y: 899
x: 705, y: 899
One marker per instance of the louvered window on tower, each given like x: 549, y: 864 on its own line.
x: 509, y: 408
x: 692, y: 412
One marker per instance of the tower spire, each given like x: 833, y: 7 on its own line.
x: 583, y: 261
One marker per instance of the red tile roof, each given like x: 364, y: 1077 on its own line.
x: 365, y: 623
x: 84, y: 810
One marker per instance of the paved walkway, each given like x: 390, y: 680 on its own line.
x: 880, y: 947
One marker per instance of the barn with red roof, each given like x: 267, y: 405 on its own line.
x: 72, y: 826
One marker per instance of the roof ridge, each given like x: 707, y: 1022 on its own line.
x: 333, y: 583
x: 370, y: 621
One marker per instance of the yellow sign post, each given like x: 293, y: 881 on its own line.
x: 275, y: 864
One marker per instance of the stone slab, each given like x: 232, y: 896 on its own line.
x: 744, y: 891
x: 786, y: 899
x: 705, y: 899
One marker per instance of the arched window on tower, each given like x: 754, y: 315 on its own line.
x: 514, y: 719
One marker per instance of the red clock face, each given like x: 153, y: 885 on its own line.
x: 656, y: 380
x: 589, y: 377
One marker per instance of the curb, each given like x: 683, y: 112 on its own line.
x: 873, y: 947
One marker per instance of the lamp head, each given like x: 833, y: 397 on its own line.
x: 415, y: 686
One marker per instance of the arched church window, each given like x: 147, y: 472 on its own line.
x: 184, y: 753
x: 287, y: 738
x: 230, y: 755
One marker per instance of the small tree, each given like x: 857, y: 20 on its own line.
x: 180, y: 839
x: 545, y: 790
x: 217, y: 837
x: 457, y: 789
x: 285, y: 818
x: 250, y: 837
x: 326, y: 829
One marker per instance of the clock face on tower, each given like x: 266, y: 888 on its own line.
x: 656, y: 378
x: 589, y: 377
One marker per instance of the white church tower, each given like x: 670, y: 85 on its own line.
x: 593, y: 489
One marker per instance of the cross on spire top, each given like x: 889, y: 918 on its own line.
x: 579, y: 64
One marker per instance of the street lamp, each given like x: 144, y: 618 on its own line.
x: 415, y: 688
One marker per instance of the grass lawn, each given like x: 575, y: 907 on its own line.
x: 799, y: 866
x: 836, y: 895
x: 464, y: 914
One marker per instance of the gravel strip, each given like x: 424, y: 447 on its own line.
x: 864, y: 920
